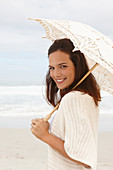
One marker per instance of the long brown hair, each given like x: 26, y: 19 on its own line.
x: 89, y: 85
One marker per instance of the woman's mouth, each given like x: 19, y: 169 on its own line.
x: 59, y: 81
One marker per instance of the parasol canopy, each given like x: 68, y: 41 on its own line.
x: 97, y: 48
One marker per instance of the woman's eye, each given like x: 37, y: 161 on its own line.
x: 51, y: 68
x: 63, y: 66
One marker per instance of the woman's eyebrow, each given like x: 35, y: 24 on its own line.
x: 58, y: 64
x: 50, y: 66
x: 61, y: 64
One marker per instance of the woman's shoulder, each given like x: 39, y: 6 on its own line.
x: 77, y: 98
x: 76, y: 95
x: 79, y: 103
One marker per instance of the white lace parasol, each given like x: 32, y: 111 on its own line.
x: 96, y: 47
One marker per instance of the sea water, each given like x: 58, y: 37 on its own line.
x: 20, y: 104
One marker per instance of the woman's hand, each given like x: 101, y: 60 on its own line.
x: 40, y: 128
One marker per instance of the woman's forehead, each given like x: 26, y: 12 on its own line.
x: 59, y: 57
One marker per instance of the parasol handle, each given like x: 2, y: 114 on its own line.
x: 47, y: 117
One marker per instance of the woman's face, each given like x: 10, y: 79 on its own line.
x: 62, y: 69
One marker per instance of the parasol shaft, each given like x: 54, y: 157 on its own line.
x: 47, y: 117
x: 86, y: 75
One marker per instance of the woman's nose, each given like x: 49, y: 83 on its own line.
x: 57, y: 72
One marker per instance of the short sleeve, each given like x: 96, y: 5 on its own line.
x: 80, y: 141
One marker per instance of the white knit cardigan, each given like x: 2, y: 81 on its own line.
x: 76, y: 123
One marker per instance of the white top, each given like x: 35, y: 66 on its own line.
x: 76, y: 122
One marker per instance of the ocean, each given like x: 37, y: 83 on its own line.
x: 20, y: 104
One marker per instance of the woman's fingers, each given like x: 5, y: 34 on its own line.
x: 39, y: 128
x: 33, y: 126
x: 35, y: 122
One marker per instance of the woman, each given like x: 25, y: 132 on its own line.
x: 72, y: 138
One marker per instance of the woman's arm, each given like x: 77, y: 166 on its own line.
x: 40, y: 130
x: 58, y: 145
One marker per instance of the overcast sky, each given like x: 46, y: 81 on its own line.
x: 23, y: 53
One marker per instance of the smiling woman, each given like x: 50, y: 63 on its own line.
x: 66, y: 69
x: 72, y: 138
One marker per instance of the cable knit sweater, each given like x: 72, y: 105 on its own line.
x: 76, y: 123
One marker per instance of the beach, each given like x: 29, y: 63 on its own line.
x: 20, y: 150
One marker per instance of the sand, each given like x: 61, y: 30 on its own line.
x: 20, y: 150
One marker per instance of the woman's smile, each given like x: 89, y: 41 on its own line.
x: 60, y: 82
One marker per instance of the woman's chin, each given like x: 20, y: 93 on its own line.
x: 61, y: 87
